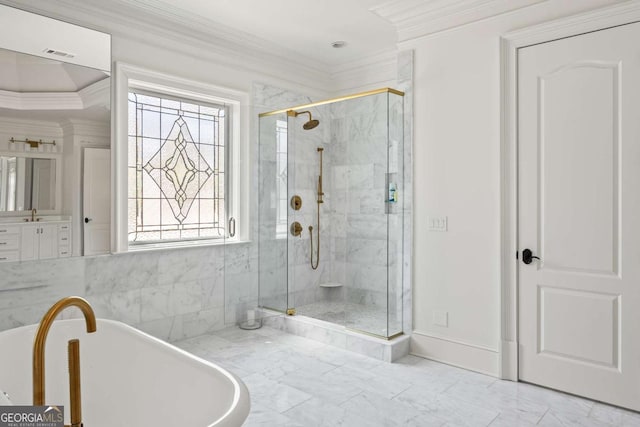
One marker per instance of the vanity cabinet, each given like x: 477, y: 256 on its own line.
x: 9, y: 243
x: 35, y: 240
x: 39, y: 242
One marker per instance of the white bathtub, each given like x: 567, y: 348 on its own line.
x: 129, y: 378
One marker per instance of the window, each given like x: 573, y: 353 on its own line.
x: 178, y: 174
x: 176, y: 166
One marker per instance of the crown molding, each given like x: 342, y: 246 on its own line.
x: 40, y: 100
x: 592, y: 20
x: 24, y: 127
x: 86, y: 128
x: 97, y: 94
x: 417, y: 18
x: 157, y: 24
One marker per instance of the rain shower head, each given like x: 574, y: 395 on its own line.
x: 312, y: 123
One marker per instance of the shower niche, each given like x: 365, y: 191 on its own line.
x: 331, y: 207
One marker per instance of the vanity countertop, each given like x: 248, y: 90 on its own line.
x: 39, y: 219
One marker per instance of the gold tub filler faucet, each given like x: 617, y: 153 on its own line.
x: 74, y: 355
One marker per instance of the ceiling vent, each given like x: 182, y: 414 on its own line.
x: 59, y: 53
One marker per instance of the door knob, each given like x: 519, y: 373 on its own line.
x: 86, y: 220
x: 528, y: 257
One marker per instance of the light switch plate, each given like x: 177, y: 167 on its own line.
x: 437, y: 223
x: 441, y: 318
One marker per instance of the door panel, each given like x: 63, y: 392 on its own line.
x: 579, y: 211
x: 579, y: 167
x: 594, y: 318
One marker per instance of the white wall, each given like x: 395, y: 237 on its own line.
x: 457, y: 174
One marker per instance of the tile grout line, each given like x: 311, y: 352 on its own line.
x: 494, y: 418
x: 543, y: 415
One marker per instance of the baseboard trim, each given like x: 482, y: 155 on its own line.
x: 464, y: 355
x: 509, y: 360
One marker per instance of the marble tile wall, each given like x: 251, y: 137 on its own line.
x: 172, y: 294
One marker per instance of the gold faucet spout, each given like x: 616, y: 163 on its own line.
x: 33, y: 215
x: 41, y: 339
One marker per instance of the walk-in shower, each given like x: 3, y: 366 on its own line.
x: 340, y: 175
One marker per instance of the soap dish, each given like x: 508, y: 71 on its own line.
x: 330, y: 285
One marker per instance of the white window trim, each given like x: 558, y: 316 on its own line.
x: 133, y: 77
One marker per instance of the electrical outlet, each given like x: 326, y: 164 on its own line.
x: 437, y: 223
x: 441, y: 318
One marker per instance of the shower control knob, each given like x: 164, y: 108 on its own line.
x: 296, y: 229
x: 296, y: 203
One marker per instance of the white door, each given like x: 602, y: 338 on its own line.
x: 579, y: 212
x: 97, y: 201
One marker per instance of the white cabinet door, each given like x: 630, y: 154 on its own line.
x: 579, y: 212
x: 29, y: 241
x: 48, y: 245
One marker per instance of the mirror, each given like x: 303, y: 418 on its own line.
x: 44, y: 105
x: 27, y: 183
x: 55, y: 91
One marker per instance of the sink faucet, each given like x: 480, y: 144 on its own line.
x: 74, y: 355
x: 33, y: 215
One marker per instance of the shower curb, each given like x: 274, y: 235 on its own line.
x: 339, y: 336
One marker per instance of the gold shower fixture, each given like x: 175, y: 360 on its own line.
x: 319, y: 201
x: 312, y: 123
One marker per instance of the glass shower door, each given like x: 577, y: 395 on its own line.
x: 273, y: 215
x: 311, y: 290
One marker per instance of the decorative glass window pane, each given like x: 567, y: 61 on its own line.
x: 176, y: 169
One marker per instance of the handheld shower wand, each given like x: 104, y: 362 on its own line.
x: 319, y: 201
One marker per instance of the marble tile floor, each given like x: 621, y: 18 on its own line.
x: 295, y: 381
